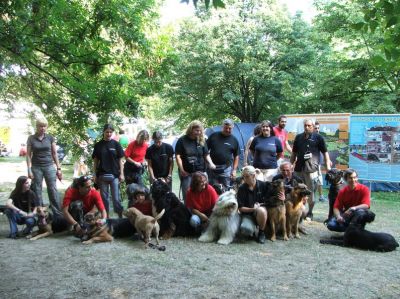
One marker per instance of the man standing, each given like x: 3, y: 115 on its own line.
x: 159, y: 157
x: 306, y: 151
x: 224, y: 152
x: 352, y: 197
x: 282, y: 134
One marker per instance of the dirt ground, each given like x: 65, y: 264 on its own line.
x: 61, y: 267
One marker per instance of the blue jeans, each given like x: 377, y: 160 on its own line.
x: 107, y: 182
x: 49, y: 175
x: 248, y: 225
x: 223, y: 178
x: 15, y: 218
x: 336, y: 226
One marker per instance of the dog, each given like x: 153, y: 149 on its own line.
x: 176, y: 219
x: 334, y: 178
x: 95, y: 233
x: 224, y: 220
x: 294, y: 208
x: 358, y: 237
x: 276, y: 210
x: 145, y: 225
x: 47, y: 224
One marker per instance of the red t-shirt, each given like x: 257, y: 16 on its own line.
x: 136, y: 152
x: 282, y: 135
x: 203, y: 201
x: 144, y: 207
x: 89, y: 200
x: 348, y: 198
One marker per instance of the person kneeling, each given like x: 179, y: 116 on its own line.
x: 79, y: 199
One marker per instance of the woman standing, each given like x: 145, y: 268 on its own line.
x: 21, y: 207
x: 40, y: 159
x: 191, y: 154
x: 107, y: 166
x: 134, y: 155
x: 200, y: 200
x: 266, y: 150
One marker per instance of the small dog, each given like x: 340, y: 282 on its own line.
x: 358, y: 237
x: 95, y: 233
x: 145, y: 225
x: 276, y: 211
x: 176, y: 219
x: 294, y: 208
x: 224, y: 220
x: 334, y: 178
x: 48, y: 224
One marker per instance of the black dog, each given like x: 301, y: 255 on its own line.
x: 176, y: 219
x: 334, y: 178
x: 356, y: 236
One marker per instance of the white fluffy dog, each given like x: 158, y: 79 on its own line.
x: 224, y: 220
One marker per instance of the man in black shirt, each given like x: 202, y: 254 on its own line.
x: 159, y: 158
x: 224, y: 152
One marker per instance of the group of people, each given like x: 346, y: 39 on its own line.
x: 201, y: 163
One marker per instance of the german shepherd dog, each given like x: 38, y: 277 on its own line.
x: 358, y: 237
x: 95, y: 233
x: 294, y: 206
x: 47, y: 224
x: 276, y: 211
x: 334, y: 177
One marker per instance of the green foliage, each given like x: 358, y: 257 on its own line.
x: 245, y: 61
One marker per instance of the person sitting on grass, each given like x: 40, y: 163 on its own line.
x: 21, y: 207
x: 140, y: 200
x: 200, y: 200
x: 80, y: 199
x: 350, y: 198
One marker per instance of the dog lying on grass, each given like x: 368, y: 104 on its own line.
x: 224, y: 220
x: 276, y: 211
x: 294, y: 208
x: 144, y: 225
x: 95, y: 233
x: 358, y: 237
x: 47, y: 224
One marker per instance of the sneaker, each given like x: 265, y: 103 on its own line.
x: 309, y: 217
x: 261, y: 237
x: 322, y: 199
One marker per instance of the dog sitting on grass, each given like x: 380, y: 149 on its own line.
x: 294, y: 208
x: 224, y: 220
x: 358, y: 237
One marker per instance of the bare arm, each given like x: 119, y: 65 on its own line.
x: 210, y: 162
x: 150, y: 169
x: 328, y: 162
x: 121, y: 169
x: 10, y: 205
x: 288, y: 147
x: 29, y: 161
x: 235, y: 166
x: 202, y: 216
x: 293, y: 157
x: 55, y: 159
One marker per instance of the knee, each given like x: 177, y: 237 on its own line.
x: 30, y: 221
x: 195, y: 221
x: 246, y: 230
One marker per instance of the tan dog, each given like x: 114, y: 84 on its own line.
x: 96, y: 233
x: 44, y: 224
x: 145, y: 225
x: 276, y: 211
x: 294, y: 208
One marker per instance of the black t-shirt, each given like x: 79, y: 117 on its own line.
x: 222, y: 148
x: 25, y: 200
x: 315, y: 144
x: 247, y: 198
x: 160, y: 159
x: 192, y: 154
x: 108, y: 153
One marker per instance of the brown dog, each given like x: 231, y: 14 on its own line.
x: 276, y: 211
x: 294, y: 207
x: 145, y: 225
x: 96, y: 233
x: 44, y: 224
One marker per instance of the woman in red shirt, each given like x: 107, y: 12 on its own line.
x: 134, y: 155
x: 200, y: 199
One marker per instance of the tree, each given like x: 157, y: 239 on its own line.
x: 76, y: 60
x: 244, y: 61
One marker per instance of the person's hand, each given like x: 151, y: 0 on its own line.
x: 348, y: 212
x: 184, y: 173
x: 78, y: 229
x: 121, y: 178
x: 23, y: 213
x: 256, y: 206
x: 340, y: 219
x: 101, y: 222
x: 31, y: 214
x: 233, y: 174
x: 212, y: 166
x: 30, y: 175
x: 137, y: 164
x: 168, y: 179
x: 59, y: 175
x: 281, y: 195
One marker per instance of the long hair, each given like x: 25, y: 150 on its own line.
x: 18, y: 186
x: 194, y: 125
x: 142, y: 136
x: 269, y: 124
x: 197, y: 179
